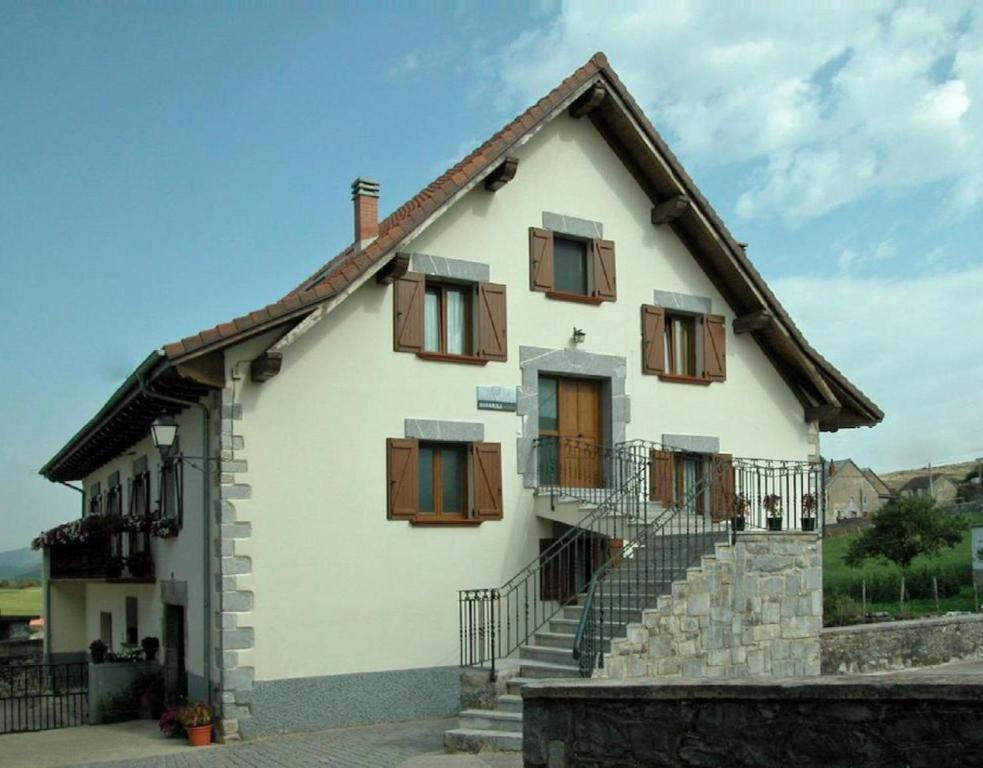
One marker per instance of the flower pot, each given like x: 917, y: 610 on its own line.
x: 808, y: 523
x: 774, y: 523
x: 737, y: 523
x: 200, y: 735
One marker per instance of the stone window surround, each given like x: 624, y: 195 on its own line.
x: 682, y: 303
x: 535, y: 361
x: 692, y: 443
x: 444, y: 431
x: 451, y: 269
x: 571, y: 225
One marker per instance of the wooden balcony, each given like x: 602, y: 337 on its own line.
x: 98, y: 559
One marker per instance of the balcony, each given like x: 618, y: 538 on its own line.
x: 92, y: 550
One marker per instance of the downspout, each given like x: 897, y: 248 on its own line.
x: 206, y: 516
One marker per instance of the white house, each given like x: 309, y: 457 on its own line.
x: 352, y: 456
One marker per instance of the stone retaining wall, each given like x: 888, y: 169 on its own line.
x: 752, y: 608
x: 823, y: 722
x: 901, y: 644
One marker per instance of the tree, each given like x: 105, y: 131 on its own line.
x: 902, y: 530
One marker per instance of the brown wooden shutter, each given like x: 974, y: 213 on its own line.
x: 714, y: 347
x: 723, y: 487
x: 486, y: 466
x: 653, y: 339
x: 492, y: 325
x: 540, y: 259
x: 605, y: 285
x: 408, y: 313
x: 662, y: 466
x: 403, y: 474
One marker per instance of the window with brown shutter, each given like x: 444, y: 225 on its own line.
x: 487, y: 472
x: 714, y: 348
x: 408, y: 313
x: 402, y: 469
x: 443, y: 483
x: 662, y: 475
x: 677, y: 346
x: 653, y: 339
x: 492, y: 322
x: 450, y: 321
x: 571, y: 268
x: 724, y: 486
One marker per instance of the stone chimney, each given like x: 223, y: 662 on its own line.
x: 365, y: 194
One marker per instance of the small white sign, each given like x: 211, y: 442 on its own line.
x: 496, y: 398
x: 977, y: 543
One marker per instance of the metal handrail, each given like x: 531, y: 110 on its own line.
x: 637, y: 548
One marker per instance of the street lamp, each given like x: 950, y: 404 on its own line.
x: 164, y: 432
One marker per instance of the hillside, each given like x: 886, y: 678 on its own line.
x: 22, y: 563
x: 955, y: 472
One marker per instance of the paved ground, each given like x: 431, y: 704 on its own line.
x: 139, y: 745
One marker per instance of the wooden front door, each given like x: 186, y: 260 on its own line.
x: 175, y: 678
x: 570, y: 411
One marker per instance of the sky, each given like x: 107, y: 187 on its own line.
x: 168, y: 166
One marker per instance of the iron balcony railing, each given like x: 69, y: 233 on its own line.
x: 630, y: 492
x: 659, y: 554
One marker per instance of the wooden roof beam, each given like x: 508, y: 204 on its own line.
x: 502, y: 175
x: 589, y: 101
x: 753, y: 321
x: 395, y: 268
x: 266, y: 366
x: 669, y: 210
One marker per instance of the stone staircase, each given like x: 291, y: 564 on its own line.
x: 549, y: 654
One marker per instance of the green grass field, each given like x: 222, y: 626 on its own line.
x: 839, y: 578
x: 21, y: 601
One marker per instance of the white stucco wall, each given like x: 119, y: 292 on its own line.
x: 338, y: 587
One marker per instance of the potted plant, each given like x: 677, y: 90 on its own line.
x: 808, y: 512
x: 139, y: 564
x: 197, y: 722
x: 97, y: 649
x: 741, y: 506
x: 773, y: 506
x: 150, y: 647
x: 170, y: 722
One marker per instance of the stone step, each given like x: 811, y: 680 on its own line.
x: 509, y: 702
x: 476, y: 740
x: 540, y: 670
x: 554, y: 639
x: 646, y: 596
x: 552, y: 655
x: 569, y: 626
x: 623, y: 615
x: 516, y: 684
x: 490, y: 720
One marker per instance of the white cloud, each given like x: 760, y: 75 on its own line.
x: 850, y: 259
x: 911, y: 343
x: 828, y: 105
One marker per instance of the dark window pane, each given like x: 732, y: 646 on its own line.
x: 426, y: 480
x: 570, y: 266
x: 548, y: 420
x: 453, y: 465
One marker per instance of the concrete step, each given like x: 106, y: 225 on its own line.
x: 509, y: 702
x: 569, y: 626
x: 477, y: 740
x: 554, y: 639
x: 546, y: 653
x: 611, y: 594
x: 514, y: 686
x: 490, y: 720
x: 541, y: 670
x: 622, y: 615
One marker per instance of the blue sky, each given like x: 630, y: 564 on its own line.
x: 168, y: 166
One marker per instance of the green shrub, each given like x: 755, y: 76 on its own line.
x: 128, y: 703
x: 839, y: 610
x: 885, y: 586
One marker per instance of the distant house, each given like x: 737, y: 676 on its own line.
x: 853, y: 492
x: 938, y: 487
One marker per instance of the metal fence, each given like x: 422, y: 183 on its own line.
x: 39, y: 697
